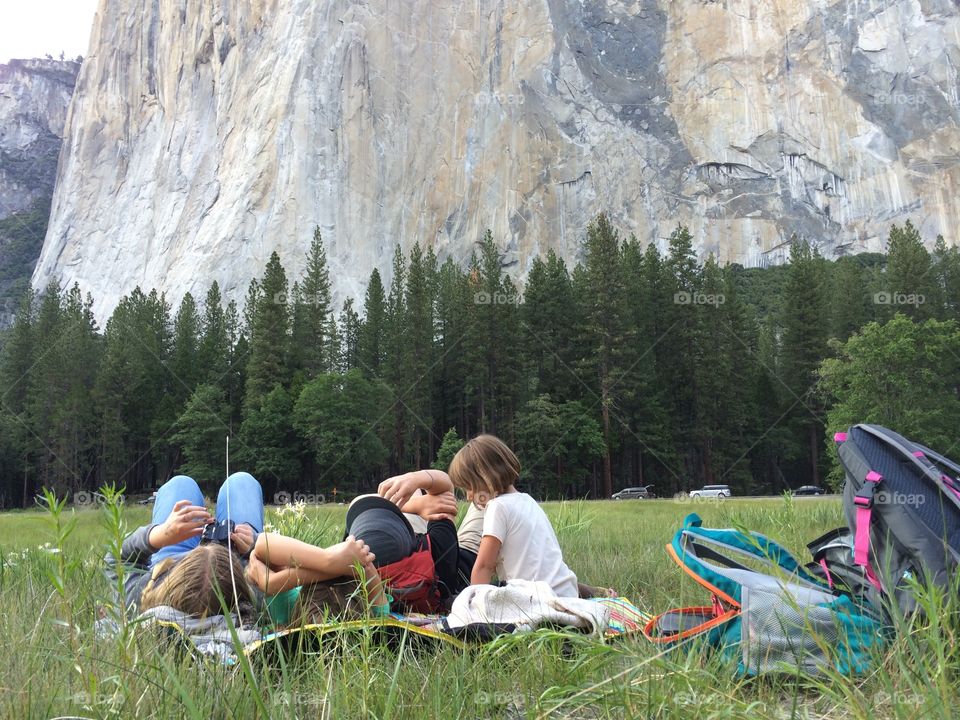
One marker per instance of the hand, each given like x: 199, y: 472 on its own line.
x: 257, y: 572
x: 242, y: 538
x: 184, y: 522
x: 399, y: 488
x: 437, y: 507
x: 345, y: 555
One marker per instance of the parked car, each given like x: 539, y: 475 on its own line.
x: 634, y: 493
x: 712, y: 491
x: 809, y: 490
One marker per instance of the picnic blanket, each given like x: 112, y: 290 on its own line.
x: 476, y: 617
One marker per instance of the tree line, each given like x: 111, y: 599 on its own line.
x: 632, y: 367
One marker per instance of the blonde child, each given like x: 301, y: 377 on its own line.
x: 518, y: 541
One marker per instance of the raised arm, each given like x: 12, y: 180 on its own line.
x: 279, y: 552
x: 273, y: 582
x: 400, y: 488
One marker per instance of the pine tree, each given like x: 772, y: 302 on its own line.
x: 605, y: 329
x: 58, y: 403
x: 311, y: 314
x: 804, y: 346
x: 675, y: 346
x: 201, y: 430
x: 213, y: 353
x: 911, y: 287
x: 452, y: 305
x: 449, y: 446
x: 562, y: 441
x: 373, y: 332
x: 643, y: 421
x: 350, y: 329
x: 849, y: 298
x: 726, y: 345
x: 17, y: 360
x: 185, y: 355
x: 768, y: 392
x: 395, y: 359
x: 269, y: 330
x: 339, y: 414
x: 268, y: 443
x: 237, y: 358
x: 132, y: 388
x: 548, y: 322
x: 947, y: 278
x: 333, y: 345
x: 417, y: 383
x: 492, y: 341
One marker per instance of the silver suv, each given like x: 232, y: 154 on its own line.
x: 712, y: 491
x: 634, y: 493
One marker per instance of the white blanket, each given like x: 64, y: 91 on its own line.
x: 527, y: 605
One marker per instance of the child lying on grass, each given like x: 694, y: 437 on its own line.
x: 166, y: 564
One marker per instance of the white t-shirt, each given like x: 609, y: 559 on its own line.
x: 529, y: 549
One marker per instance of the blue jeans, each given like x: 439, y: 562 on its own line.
x: 240, y: 499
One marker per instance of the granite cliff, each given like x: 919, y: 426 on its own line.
x: 34, y: 97
x: 204, y: 135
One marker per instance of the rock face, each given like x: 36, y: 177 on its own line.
x: 204, y: 136
x: 34, y: 97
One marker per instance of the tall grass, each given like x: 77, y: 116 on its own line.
x: 53, y: 591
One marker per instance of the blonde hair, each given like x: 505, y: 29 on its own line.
x: 486, y: 467
x: 200, y: 583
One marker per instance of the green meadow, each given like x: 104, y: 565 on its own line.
x: 52, y: 589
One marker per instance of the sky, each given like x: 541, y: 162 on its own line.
x: 33, y: 28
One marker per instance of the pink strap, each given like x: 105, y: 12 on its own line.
x: 873, y: 579
x: 861, y: 542
x: 918, y: 453
x: 823, y: 564
x: 864, y: 503
x: 949, y: 482
x: 839, y: 437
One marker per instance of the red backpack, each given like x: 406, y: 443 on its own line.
x: 413, y: 581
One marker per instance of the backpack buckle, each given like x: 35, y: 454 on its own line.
x: 864, y: 498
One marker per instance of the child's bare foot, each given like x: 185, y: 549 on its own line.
x: 346, y: 554
x: 592, y: 591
